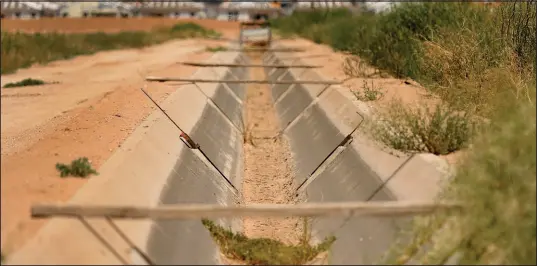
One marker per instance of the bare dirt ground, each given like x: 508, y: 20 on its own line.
x: 268, y: 166
x: 93, y: 108
x: 73, y: 25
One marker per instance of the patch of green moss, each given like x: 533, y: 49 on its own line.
x: 264, y: 251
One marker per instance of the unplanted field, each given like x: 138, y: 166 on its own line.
x: 77, y: 25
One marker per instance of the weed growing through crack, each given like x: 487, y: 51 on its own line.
x: 368, y: 93
x: 264, y: 251
x: 439, y: 131
x: 80, y: 167
x: 24, y: 83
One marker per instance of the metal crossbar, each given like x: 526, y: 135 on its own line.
x: 318, y: 82
x: 245, y: 65
x: 188, y: 141
x: 279, y: 50
x: 196, y: 211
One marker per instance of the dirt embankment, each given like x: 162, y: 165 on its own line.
x: 93, y: 108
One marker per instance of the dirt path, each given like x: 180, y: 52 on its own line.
x: 94, y: 108
x: 268, y: 170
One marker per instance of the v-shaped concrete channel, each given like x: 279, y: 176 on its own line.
x: 154, y: 167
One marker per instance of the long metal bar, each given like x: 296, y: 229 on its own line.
x: 129, y: 241
x: 319, y: 82
x: 196, y: 144
x: 103, y: 240
x: 196, y: 211
x: 279, y: 50
x: 245, y: 65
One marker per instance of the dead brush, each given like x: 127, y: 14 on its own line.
x: 354, y: 67
x: 247, y: 135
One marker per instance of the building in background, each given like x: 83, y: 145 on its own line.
x: 175, y: 9
x: 213, y: 9
x: 28, y: 10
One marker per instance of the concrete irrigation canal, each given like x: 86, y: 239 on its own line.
x: 261, y: 143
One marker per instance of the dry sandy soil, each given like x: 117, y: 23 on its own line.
x: 268, y: 166
x: 93, y: 106
x: 72, y: 25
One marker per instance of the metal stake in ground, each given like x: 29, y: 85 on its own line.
x: 346, y: 141
x: 187, y: 140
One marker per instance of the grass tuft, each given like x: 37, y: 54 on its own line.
x: 24, y: 83
x: 80, y: 167
x: 264, y: 251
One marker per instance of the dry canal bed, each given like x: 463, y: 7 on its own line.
x: 269, y: 178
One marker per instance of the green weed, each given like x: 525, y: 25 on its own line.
x: 368, y: 92
x: 80, y: 167
x: 216, y: 49
x: 264, y: 251
x: 24, y: 83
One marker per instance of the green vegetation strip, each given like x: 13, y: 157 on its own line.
x: 476, y: 59
x: 480, y: 62
x: 24, y: 83
x: 497, y: 180
x: 264, y: 251
x: 21, y: 50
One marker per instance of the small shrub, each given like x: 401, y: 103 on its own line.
x: 80, y: 167
x: 439, y: 131
x: 368, y: 93
x: 264, y: 251
x: 24, y: 83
